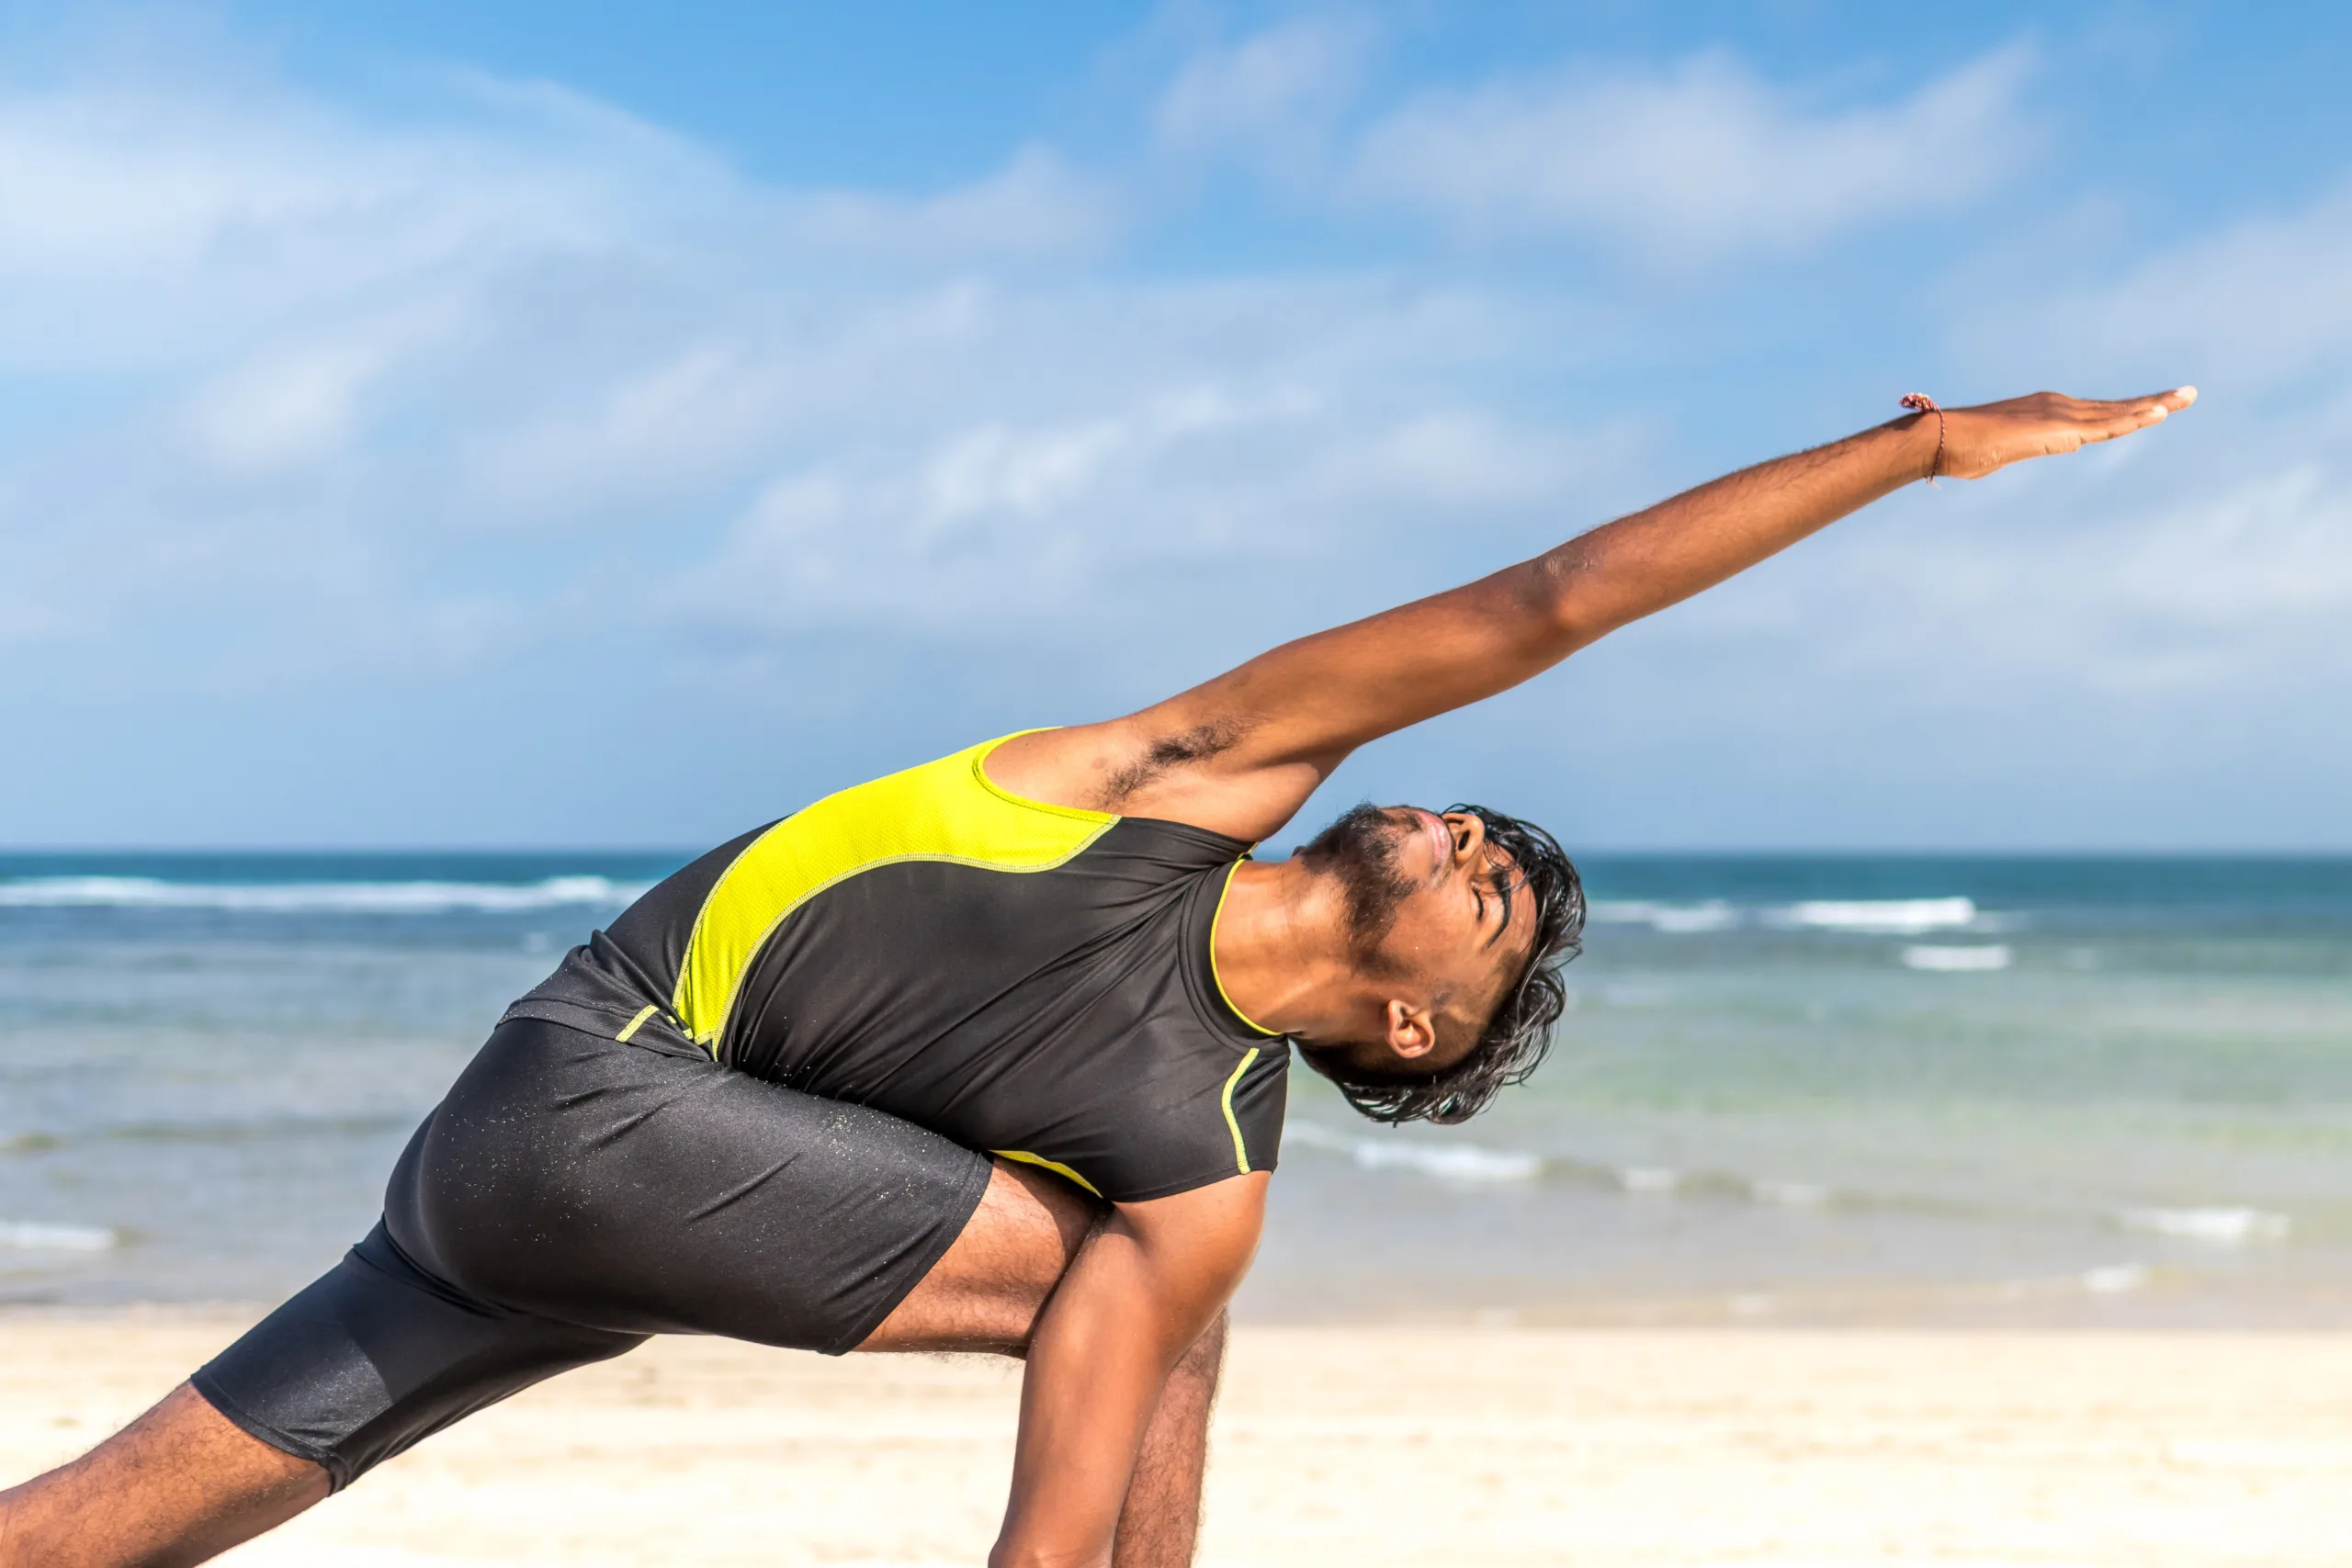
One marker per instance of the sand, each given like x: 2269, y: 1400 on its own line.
x: 1360, y: 1446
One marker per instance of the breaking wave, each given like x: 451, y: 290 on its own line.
x: 314, y: 897
x: 1448, y: 1162
x: 1714, y: 915
x: 1868, y: 917
x: 2219, y: 1227
x: 36, y: 1236
x: 1887, y: 917
x: 1957, y: 960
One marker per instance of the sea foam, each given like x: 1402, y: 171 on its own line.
x: 2220, y: 1226
x: 1887, y: 917
x: 1790, y: 1194
x: 1450, y: 1162
x: 36, y: 1236
x: 1714, y: 915
x: 2115, y: 1279
x: 314, y: 897
x: 1957, y: 960
x: 1873, y: 916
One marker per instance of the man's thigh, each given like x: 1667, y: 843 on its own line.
x: 573, y: 1194
x: 986, y: 1293
x: 637, y: 1191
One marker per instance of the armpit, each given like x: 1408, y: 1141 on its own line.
x: 1170, y: 751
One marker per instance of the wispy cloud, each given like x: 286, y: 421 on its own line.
x: 1697, y: 162
x: 1037, y: 206
x: 1275, y: 93
x: 1079, y: 519
x: 2250, y: 304
x: 321, y: 399
x: 309, y: 326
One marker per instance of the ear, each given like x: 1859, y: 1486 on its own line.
x: 1412, y: 1031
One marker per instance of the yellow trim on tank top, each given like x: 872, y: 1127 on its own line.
x: 947, y: 810
x: 1240, y: 1148
x: 1057, y: 1167
x: 1214, y: 976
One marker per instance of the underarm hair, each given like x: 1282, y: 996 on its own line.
x: 1198, y: 744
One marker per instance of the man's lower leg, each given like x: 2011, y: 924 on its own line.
x: 987, y: 1294
x: 1160, y: 1526
x: 180, y: 1484
x: 183, y: 1484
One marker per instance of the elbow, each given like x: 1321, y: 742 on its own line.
x: 1561, y: 600
x: 1575, y: 627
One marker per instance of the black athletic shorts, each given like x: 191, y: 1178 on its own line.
x: 571, y: 1196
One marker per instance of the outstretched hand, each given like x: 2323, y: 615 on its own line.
x: 1992, y: 436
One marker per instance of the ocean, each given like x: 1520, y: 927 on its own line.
x: 1800, y: 1091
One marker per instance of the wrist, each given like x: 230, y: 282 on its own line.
x: 1928, y: 447
x: 1927, y: 431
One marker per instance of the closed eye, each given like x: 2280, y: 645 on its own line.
x: 1493, y: 936
x: 1506, y: 889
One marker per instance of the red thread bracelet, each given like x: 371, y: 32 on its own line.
x: 1926, y: 404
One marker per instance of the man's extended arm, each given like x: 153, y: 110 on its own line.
x: 1241, y: 753
x: 1139, y: 1294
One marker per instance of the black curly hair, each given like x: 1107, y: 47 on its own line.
x: 1518, y: 1033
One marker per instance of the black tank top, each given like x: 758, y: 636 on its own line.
x: 1033, y: 980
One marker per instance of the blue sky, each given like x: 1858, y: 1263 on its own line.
x: 428, y: 424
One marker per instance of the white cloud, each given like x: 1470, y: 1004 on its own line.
x: 300, y: 403
x: 327, y: 343
x: 1035, y: 205
x: 1274, y: 92
x: 146, y: 222
x: 1694, y: 162
x: 2074, y: 598
x: 1079, y: 520
x: 437, y: 400
x: 2253, y: 303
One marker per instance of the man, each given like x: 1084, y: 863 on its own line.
x: 752, y: 1107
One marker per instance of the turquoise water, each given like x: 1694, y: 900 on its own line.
x: 1791, y: 1090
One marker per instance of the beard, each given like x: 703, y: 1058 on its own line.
x: 1359, y: 852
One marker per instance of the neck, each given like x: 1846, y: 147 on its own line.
x: 1281, y: 951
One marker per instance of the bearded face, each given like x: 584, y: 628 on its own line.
x: 1360, y: 852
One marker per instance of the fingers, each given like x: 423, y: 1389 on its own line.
x: 2151, y: 408
x: 2125, y: 415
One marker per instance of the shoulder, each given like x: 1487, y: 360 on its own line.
x: 1209, y: 1232
x: 1219, y: 1116
x: 1156, y: 763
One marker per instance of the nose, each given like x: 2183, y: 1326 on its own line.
x: 1473, y: 829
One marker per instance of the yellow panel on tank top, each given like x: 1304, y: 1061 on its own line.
x: 947, y: 810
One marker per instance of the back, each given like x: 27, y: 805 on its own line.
x: 1026, y: 978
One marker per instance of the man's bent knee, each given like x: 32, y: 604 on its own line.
x: 984, y: 1293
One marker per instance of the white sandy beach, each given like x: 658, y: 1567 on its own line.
x: 1351, y: 1446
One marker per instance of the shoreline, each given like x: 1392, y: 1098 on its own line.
x: 1698, y: 1316
x: 1510, y: 1447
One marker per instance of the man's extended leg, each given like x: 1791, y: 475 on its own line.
x: 178, y: 1485
x: 183, y: 1484
x: 1160, y: 1526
